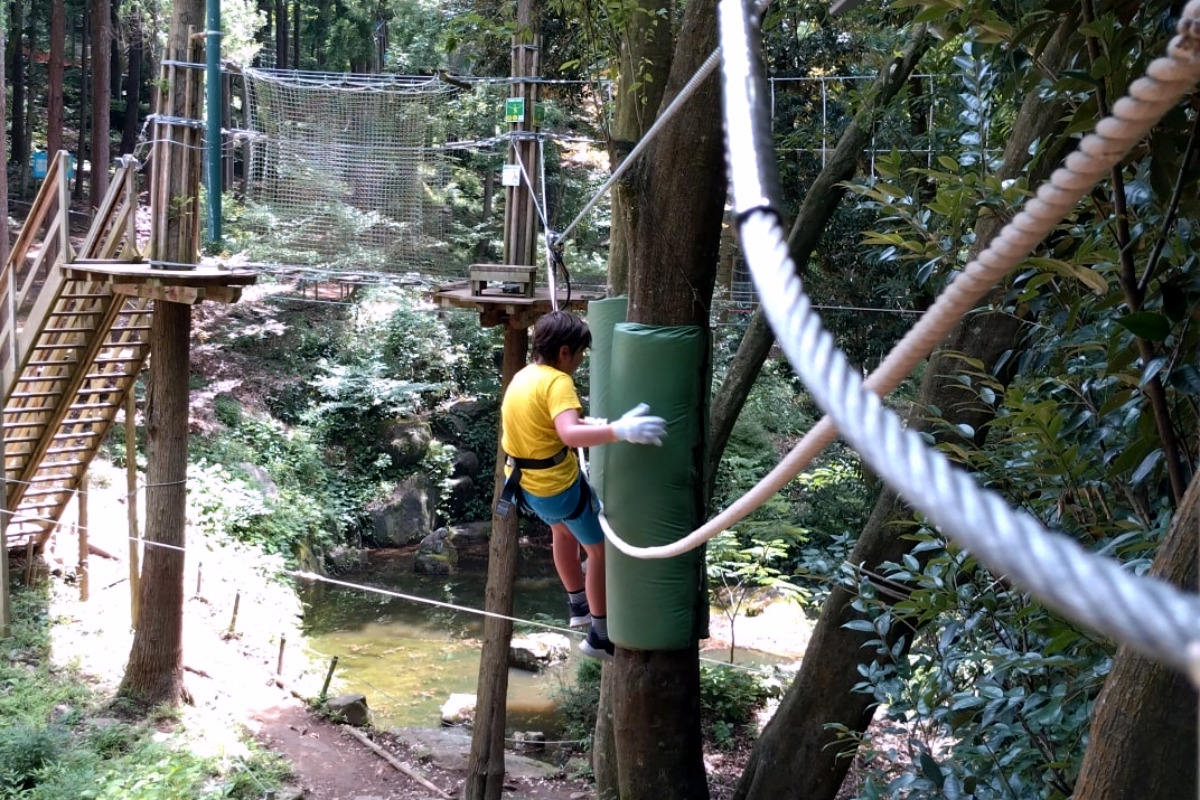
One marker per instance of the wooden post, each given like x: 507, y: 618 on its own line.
x: 131, y: 504
x: 485, y: 766
x: 81, y: 526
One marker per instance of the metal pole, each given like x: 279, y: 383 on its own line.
x: 212, y: 101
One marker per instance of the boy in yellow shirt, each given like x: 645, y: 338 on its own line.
x: 541, y: 421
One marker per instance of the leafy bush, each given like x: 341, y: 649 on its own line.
x: 730, y: 696
x: 26, y: 750
x: 578, y: 703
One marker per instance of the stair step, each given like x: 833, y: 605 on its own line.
x: 63, y: 346
x: 45, y: 492
x: 51, y: 478
x: 75, y: 462
x: 57, y: 451
x: 76, y: 313
x: 80, y: 329
x: 82, y: 406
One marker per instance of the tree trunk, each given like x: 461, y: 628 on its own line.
x: 84, y: 77
x: 19, y: 153
x: 485, y: 765
x: 798, y: 755
x: 818, y: 207
x: 154, y: 674
x: 54, y: 88
x: 133, y: 88
x: 101, y: 97
x: 295, y: 62
x: 281, y: 34
x: 654, y: 703
x: 1143, y: 734
x: 645, y: 45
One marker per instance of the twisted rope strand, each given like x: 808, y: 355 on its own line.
x: 1150, y: 97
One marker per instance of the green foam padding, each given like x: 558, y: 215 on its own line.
x: 654, y: 495
x: 602, y: 318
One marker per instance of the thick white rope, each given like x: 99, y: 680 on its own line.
x: 1167, y: 80
x: 1146, y: 613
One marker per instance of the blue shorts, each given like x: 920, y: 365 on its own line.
x: 556, y: 508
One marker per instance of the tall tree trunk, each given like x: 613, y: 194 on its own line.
x: 4, y: 238
x: 798, y: 755
x: 54, y: 88
x: 295, y: 62
x: 133, y: 87
x: 101, y: 97
x: 154, y: 674
x: 20, y: 144
x: 84, y: 78
x: 281, y: 34
x: 817, y: 208
x: 646, y: 44
x: 1142, y: 742
x: 679, y: 190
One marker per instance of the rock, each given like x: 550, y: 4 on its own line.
x: 449, y: 749
x: 350, y: 708
x: 530, y: 741
x: 260, y: 479
x: 465, y: 465
x: 461, y: 492
x: 471, y: 533
x: 407, y: 442
x: 407, y: 516
x: 343, y: 559
x: 436, y: 555
x: 537, y: 651
x: 459, y: 709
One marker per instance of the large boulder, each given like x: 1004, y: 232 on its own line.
x: 407, y: 442
x: 464, y: 465
x: 537, y: 651
x: 436, y: 554
x: 407, y: 516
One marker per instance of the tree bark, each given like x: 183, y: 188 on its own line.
x: 54, y: 88
x: 133, y: 87
x: 797, y: 755
x: 154, y: 674
x: 485, y: 764
x: 645, y: 47
x: 818, y: 207
x: 679, y: 190
x: 19, y: 144
x: 101, y: 97
x: 281, y: 34
x: 84, y: 76
x: 1143, y: 734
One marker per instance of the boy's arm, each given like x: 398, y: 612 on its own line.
x: 634, y: 426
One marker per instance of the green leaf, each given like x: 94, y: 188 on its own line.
x: 931, y: 769
x: 1146, y: 325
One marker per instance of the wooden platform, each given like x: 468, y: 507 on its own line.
x: 139, y: 279
x: 495, y: 307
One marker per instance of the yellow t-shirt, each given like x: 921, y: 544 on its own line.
x: 536, y: 395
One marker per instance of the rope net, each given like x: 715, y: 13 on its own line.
x: 345, y: 171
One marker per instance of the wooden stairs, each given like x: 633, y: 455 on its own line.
x: 74, y: 334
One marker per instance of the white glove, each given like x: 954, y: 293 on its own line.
x: 638, y: 427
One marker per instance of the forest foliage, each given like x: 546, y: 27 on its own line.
x: 1092, y: 417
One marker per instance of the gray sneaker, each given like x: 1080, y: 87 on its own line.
x: 592, y: 645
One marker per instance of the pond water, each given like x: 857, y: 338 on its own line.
x: 408, y: 657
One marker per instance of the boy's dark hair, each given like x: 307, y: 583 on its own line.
x: 556, y: 329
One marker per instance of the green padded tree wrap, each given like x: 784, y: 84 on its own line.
x: 655, y: 495
x: 602, y: 318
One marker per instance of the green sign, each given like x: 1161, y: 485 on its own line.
x: 514, y: 109
x: 539, y: 114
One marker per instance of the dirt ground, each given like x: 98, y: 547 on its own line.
x: 246, y: 673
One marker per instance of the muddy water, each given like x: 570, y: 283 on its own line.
x: 408, y: 657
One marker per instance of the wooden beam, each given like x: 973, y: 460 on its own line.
x: 188, y: 295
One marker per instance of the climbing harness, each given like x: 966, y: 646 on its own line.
x: 511, y: 496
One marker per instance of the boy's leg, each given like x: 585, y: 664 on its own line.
x: 596, y: 592
x: 566, y: 557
